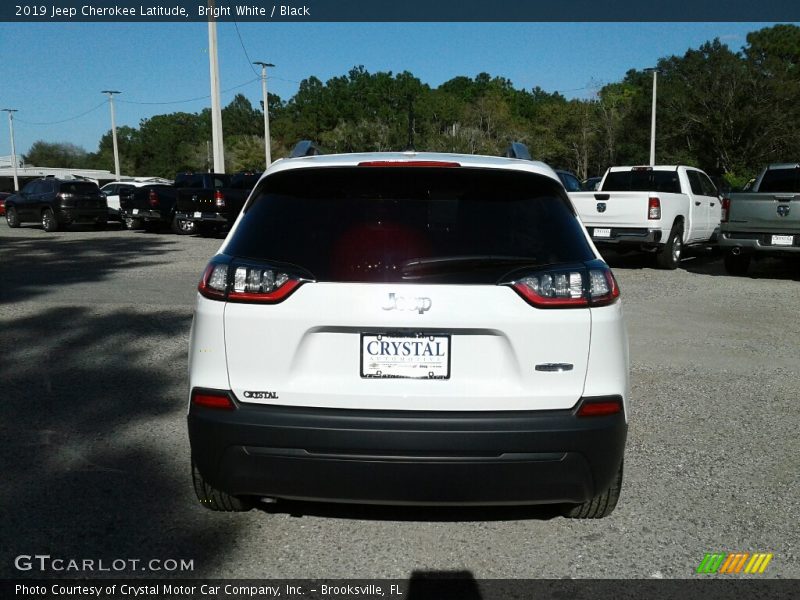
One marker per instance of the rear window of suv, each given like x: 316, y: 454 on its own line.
x: 436, y: 225
x: 79, y: 187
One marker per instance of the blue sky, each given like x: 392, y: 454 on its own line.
x: 55, y: 72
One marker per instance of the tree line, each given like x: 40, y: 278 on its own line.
x: 727, y: 112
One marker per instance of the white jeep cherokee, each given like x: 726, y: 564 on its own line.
x: 409, y: 328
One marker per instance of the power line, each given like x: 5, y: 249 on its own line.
x: 83, y: 114
x: 247, y: 56
x: 236, y: 87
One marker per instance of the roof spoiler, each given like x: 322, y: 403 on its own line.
x: 305, y: 148
x: 518, y: 150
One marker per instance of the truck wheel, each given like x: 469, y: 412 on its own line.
x: 182, y: 226
x: 736, y: 264
x: 214, y: 499
x: 669, y: 256
x: 49, y: 223
x: 12, y: 218
x: 601, y: 505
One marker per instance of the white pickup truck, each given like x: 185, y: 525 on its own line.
x: 656, y: 209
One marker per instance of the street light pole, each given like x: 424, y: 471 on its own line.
x: 267, y: 141
x: 113, y: 129
x: 216, y: 109
x: 11, y: 112
x: 653, y: 119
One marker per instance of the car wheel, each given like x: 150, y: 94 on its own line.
x: 11, y: 217
x: 736, y: 264
x: 601, y: 505
x: 214, y: 499
x: 669, y: 256
x: 49, y: 223
x: 182, y: 226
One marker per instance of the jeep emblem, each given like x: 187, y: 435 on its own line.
x: 601, y: 207
x: 420, y: 304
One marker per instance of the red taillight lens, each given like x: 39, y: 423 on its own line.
x: 152, y: 198
x: 600, y: 407
x: 726, y: 207
x: 219, y: 199
x: 217, y: 400
x: 247, y: 284
x: 408, y: 163
x: 569, y: 288
x: 654, y: 209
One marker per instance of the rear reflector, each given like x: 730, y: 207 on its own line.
x: 218, y: 400
x: 408, y: 163
x: 600, y: 407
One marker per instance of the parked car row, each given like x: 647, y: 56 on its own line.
x: 205, y: 203
x: 663, y: 209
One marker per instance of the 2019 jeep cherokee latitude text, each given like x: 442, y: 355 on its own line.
x: 409, y: 328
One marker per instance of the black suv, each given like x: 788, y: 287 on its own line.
x: 56, y: 203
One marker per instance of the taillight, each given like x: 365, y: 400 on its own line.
x: 654, y: 209
x: 219, y: 199
x: 152, y: 198
x: 600, y: 407
x: 726, y: 207
x: 569, y: 288
x: 247, y: 283
x: 408, y: 163
x: 212, y: 399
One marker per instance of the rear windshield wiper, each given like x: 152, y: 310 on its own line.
x: 449, y: 263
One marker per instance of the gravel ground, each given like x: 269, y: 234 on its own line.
x: 93, y: 335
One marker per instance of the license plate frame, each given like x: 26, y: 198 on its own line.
x: 782, y: 240
x: 601, y: 232
x: 372, y: 366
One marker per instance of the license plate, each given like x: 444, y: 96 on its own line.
x: 197, y: 215
x: 602, y: 232
x: 135, y: 211
x: 407, y: 357
x: 782, y: 240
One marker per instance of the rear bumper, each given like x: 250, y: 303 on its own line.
x: 401, y: 457
x: 205, y: 217
x: 757, y: 242
x: 146, y: 215
x: 627, y: 235
x: 82, y: 215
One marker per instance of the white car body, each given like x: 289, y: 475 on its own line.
x: 622, y: 217
x: 111, y: 190
x: 307, y: 353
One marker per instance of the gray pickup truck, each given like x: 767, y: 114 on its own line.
x: 764, y: 221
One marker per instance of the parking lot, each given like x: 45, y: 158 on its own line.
x: 94, y: 331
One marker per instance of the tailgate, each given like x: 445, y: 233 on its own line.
x: 621, y: 209
x: 769, y: 212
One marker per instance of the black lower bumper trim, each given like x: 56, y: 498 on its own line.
x: 398, y: 457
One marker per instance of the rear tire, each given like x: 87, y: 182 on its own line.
x: 736, y: 265
x: 601, y: 505
x: 182, y: 226
x: 49, y: 223
x: 669, y: 256
x: 12, y: 218
x: 214, y: 499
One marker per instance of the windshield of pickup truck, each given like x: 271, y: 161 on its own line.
x: 644, y: 180
x: 440, y: 225
x: 781, y: 180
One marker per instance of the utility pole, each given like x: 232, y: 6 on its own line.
x: 267, y: 141
x: 216, y: 110
x: 653, y: 118
x: 11, y: 112
x: 113, y: 129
